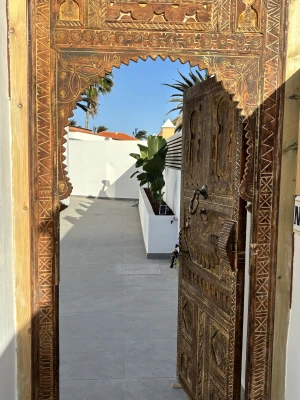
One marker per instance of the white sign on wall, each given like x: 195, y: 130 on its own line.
x: 297, y: 215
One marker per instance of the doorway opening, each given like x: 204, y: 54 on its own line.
x: 118, y: 309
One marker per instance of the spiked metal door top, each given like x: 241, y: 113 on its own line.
x: 212, y: 241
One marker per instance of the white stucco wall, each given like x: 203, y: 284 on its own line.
x: 160, y: 232
x: 7, y: 324
x: 67, y: 155
x: 85, y: 136
x: 103, y: 168
x: 293, y: 354
x: 291, y: 130
x: 172, y: 190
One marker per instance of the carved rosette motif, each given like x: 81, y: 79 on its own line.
x: 88, y: 37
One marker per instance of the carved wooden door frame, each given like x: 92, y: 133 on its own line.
x: 72, y: 42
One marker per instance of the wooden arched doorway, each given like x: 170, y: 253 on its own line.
x: 72, y: 43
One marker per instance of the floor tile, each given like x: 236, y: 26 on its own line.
x: 103, y: 360
x: 150, y: 324
x: 106, y: 238
x: 138, y: 269
x: 161, y: 282
x: 108, y: 389
x: 92, y: 345
x: 70, y: 256
x: 67, y: 274
x: 92, y: 326
x: 150, y: 358
x: 133, y: 240
x: 73, y: 302
x: 150, y: 300
x: 152, y: 389
x: 135, y: 255
x: 91, y: 268
x: 91, y: 281
x: 105, y: 254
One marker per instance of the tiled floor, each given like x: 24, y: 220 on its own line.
x: 117, y: 332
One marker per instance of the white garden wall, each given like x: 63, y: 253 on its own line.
x: 159, y: 231
x: 172, y: 190
x: 103, y: 168
x: 67, y: 162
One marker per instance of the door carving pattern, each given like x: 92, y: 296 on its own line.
x: 72, y: 42
x: 212, y: 245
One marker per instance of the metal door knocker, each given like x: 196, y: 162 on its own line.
x: 195, y: 199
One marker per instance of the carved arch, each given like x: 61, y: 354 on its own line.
x: 76, y: 71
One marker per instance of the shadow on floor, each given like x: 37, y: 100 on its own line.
x: 117, y: 332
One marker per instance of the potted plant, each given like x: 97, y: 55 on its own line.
x: 152, y: 161
x: 159, y: 229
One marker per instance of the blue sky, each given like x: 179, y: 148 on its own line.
x: 138, y: 98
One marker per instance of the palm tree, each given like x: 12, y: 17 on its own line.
x: 101, y: 128
x: 139, y: 134
x: 89, y: 102
x: 194, y: 79
x: 72, y: 122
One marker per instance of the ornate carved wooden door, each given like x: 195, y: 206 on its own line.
x: 212, y: 244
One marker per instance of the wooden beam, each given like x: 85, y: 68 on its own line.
x: 18, y: 60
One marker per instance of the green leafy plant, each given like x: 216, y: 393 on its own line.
x: 194, y: 78
x: 139, y: 134
x: 152, y: 160
x: 101, y: 128
x: 89, y: 101
x: 72, y: 122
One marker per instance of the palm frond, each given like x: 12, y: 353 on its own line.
x: 190, y: 83
x: 182, y: 84
x: 84, y: 108
x: 173, y: 86
x: 72, y: 122
x: 177, y: 94
x: 178, y: 128
x: 175, y: 100
x: 180, y: 109
x: 89, y: 101
x: 202, y: 78
x: 195, y: 78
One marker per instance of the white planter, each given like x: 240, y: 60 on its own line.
x: 160, y: 235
